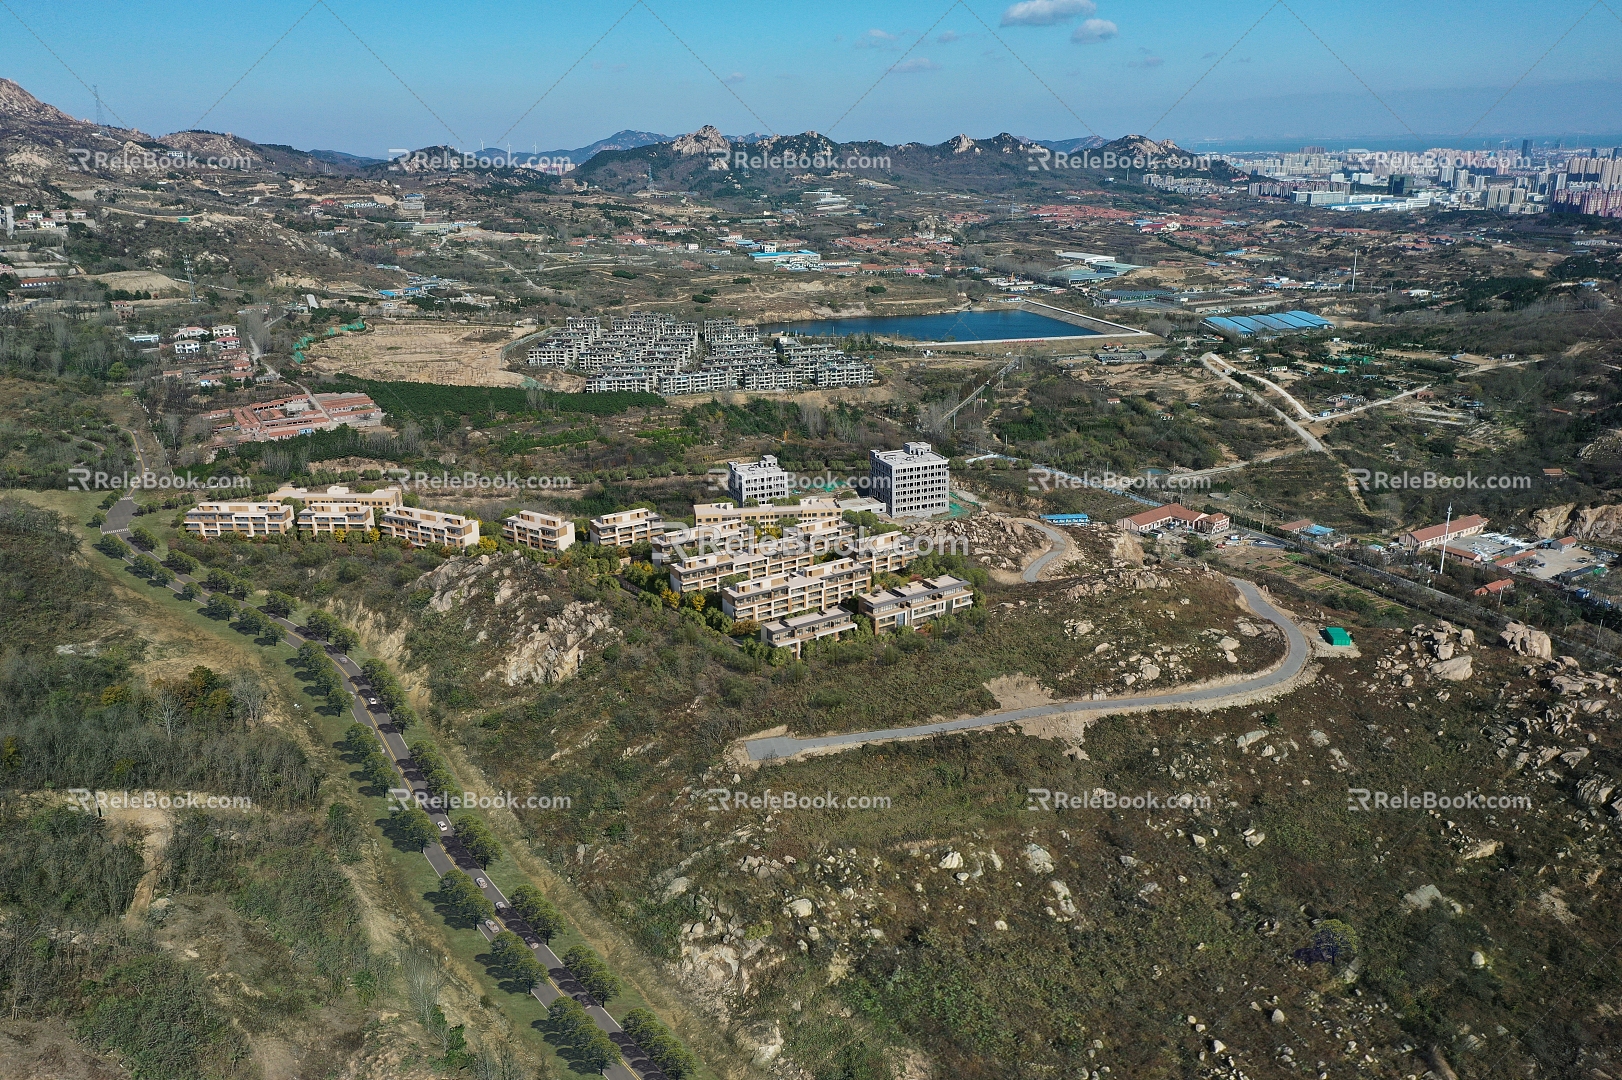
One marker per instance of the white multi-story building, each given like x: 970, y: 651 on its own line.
x: 794, y: 632
x: 911, y: 482
x: 546, y: 532
x: 624, y: 528
x: 761, y: 481
x: 816, y: 588
x: 420, y: 528
x: 241, y: 519
x: 916, y: 602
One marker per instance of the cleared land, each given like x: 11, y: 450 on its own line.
x: 450, y: 355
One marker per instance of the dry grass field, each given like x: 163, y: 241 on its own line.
x: 425, y: 352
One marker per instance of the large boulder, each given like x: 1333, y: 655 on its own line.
x: 1455, y: 669
x: 1525, y: 641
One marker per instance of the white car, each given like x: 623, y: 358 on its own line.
x: 444, y: 827
x: 372, y: 701
x: 483, y: 884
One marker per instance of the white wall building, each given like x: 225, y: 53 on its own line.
x: 762, y: 480
x: 911, y: 482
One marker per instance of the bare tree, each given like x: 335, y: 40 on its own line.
x: 250, y: 696
x: 170, y: 709
x: 811, y: 417
x: 424, y: 979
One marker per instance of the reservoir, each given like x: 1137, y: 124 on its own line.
x: 949, y: 326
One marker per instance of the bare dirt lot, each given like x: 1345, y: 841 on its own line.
x: 451, y: 355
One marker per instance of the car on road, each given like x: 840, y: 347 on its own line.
x: 483, y: 884
x: 372, y: 701
x: 444, y: 826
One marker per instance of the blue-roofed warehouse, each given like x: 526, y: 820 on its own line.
x: 1282, y: 322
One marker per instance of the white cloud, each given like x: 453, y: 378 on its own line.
x: 1093, y: 31
x: 735, y: 78
x: 948, y: 36
x: 917, y: 63
x: 877, y: 39
x: 1147, y: 62
x: 1046, y: 12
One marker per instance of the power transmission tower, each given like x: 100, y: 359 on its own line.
x: 191, y: 279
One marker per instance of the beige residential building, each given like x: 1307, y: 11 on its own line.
x: 422, y: 528
x: 325, y: 517
x: 624, y: 528
x: 547, y: 532
x: 795, y: 632
x: 884, y: 553
x: 704, y: 573
x: 817, y: 588
x: 381, y: 501
x: 700, y: 539
x: 916, y: 602
x: 809, y: 508
x: 240, y: 519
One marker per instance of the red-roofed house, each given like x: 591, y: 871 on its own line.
x: 1427, y: 538
x: 1174, y: 515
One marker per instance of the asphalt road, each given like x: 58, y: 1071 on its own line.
x: 1061, y: 544
x: 449, y: 853
x: 1295, y: 659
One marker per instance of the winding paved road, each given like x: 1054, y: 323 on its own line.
x: 1295, y: 660
x: 1061, y: 544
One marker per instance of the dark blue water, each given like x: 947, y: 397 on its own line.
x: 952, y: 326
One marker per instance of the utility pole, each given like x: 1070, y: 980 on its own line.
x: 1354, y: 271
x: 1447, y: 528
x: 96, y: 92
x: 191, y: 279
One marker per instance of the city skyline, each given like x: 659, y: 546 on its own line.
x: 1050, y: 69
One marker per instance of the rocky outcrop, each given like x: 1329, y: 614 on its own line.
x: 706, y: 140
x: 1586, y: 523
x: 1522, y: 640
x: 541, y: 642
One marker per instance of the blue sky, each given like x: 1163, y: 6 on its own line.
x: 1042, y: 68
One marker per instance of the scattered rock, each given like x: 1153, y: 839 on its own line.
x: 1038, y: 859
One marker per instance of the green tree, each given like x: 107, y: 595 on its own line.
x: 476, y: 836
x: 343, y: 639
x: 112, y: 547
x: 592, y: 973
x: 143, y: 538
x: 219, y: 606
x: 180, y: 562
x: 463, y: 897
x: 538, y: 911
x: 279, y: 605
x: 667, y: 1052
x: 591, y: 1048
x: 517, y: 959
x: 418, y: 828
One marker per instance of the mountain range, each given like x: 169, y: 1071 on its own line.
x: 38, y: 140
